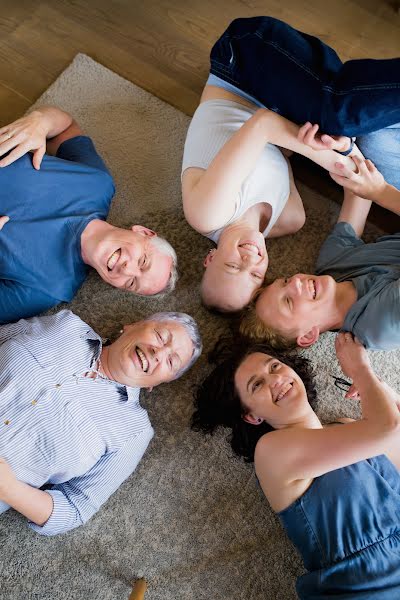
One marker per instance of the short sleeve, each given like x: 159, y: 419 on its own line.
x: 340, y: 241
x: 378, y: 324
x: 81, y: 149
x: 18, y: 301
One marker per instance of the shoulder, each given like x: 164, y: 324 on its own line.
x: 341, y: 238
x: 267, y: 446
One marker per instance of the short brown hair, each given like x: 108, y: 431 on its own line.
x: 253, y: 328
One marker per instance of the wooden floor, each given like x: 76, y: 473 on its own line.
x: 164, y: 46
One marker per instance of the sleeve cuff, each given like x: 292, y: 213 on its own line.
x: 63, y: 517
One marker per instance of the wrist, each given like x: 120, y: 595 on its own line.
x: 8, y: 486
x: 44, y: 120
x: 383, y: 190
x: 364, y: 378
x: 347, y: 147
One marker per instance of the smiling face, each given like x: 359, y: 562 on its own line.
x: 127, y: 259
x: 299, y: 306
x: 148, y: 353
x: 235, y: 270
x: 271, y: 391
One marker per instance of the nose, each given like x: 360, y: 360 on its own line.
x: 295, y: 285
x: 159, y: 353
x: 250, y: 258
x: 128, y: 268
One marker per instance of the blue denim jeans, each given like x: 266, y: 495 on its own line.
x: 383, y: 148
x: 303, y: 79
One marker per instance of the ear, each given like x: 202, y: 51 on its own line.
x: 252, y: 419
x: 309, y: 338
x: 143, y: 230
x: 209, y: 257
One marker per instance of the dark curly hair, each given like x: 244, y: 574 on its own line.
x: 217, y: 402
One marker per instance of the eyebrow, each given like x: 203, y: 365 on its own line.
x: 253, y: 377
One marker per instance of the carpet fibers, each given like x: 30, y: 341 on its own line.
x: 191, y: 519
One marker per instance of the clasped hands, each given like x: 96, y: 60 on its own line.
x: 366, y: 181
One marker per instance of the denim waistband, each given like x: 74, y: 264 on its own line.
x: 218, y: 82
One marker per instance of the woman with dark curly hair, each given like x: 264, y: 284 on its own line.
x: 336, y: 489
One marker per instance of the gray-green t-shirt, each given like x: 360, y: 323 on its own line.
x: 374, y: 270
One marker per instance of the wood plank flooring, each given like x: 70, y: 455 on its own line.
x: 163, y: 46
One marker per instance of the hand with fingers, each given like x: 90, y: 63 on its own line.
x: 353, y: 358
x: 310, y: 135
x: 27, y: 134
x: 367, y: 182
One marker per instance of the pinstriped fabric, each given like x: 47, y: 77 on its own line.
x: 81, y: 437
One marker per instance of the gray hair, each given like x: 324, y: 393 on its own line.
x: 165, y: 247
x: 191, y: 328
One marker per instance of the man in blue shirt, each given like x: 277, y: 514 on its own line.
x: 53, y: 216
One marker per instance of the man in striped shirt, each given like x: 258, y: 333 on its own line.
x: 71, y: 420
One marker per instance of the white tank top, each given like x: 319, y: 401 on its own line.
x: 213, y: 123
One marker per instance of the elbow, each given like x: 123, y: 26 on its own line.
x: 390, y: 428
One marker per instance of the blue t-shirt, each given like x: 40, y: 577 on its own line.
x: 40, y: 247
x: 374, y: 270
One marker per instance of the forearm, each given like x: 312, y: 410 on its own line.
x: 388, y: 197
x: 210, y: 201
x: 54, y: 120
x: 379, y: 402
x: 284, y: 133
x: 354, y: 211
x: 34, y: 504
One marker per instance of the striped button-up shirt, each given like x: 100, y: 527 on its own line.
x: 79, y: 436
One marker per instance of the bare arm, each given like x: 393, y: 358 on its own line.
x: 209, y: 199
x: 308, y: 453
x: 29, y: 134
x: 34, y: 504
x: 355, y: 211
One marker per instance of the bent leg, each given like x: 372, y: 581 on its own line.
x: 300, y: 77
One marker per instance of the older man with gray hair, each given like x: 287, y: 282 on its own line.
x: 53, y: 217
x: 72, y: 421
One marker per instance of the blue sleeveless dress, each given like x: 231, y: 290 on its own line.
x: 346, y: 526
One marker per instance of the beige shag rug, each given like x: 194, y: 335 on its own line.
x: 191, y: 519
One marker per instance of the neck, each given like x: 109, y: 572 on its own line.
x: 90, y: 237
x: 346, y: 296
x: 310, y: 421
x: 258, y: 216
x: 105, y: 363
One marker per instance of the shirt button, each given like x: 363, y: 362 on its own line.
x: 58, y: 385
x: 6, y: 422
x: 34, y: 402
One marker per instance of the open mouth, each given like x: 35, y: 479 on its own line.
x: 144, y: 363
x: 114, y: 258
x: 312, y: 288
x: 251, y: 247
x: 285, y: 389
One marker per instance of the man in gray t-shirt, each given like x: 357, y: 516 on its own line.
x: 356, y: 288
x: 374, y: 270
